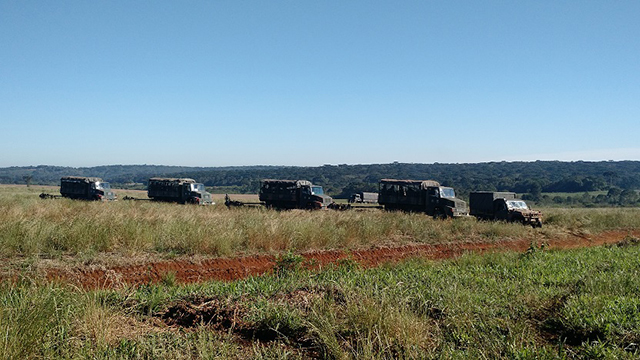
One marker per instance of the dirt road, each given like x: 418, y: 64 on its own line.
x: 227, y: 269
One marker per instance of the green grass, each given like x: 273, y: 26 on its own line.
x: 542, y: 304
x: 593, y: 220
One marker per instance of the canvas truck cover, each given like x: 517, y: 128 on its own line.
x: 76, y: 185
x: 422, y: 184
x: 281, y: 190
x: 167, y: 187
x: 482, y: 201
x: 404, y: 192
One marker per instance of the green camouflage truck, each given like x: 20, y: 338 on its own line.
x: 180, y: 190
x: 421, y: 196
x: 490, y: 205
x: 293, y: 194
x: 85, y: 188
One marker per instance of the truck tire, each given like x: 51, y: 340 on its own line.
x: 439, y: 215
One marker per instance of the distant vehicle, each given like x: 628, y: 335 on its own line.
x: 180, y: 190
x: 293, y: 194
x: 488, y: 205
x: 85, y: 188
x: 364, y: 198
x: 421, y: 196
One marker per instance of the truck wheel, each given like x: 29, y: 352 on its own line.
x: 439, y: 215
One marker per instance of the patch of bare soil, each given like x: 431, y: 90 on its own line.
x: 233, y: 317
x: 228, y: 269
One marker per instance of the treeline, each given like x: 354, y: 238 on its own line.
x: 115, y: 174
x: 613, y: 197
x: 531, y: 178
x: 520, y: 177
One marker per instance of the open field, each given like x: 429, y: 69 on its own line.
x: 131, y: 279
x: 39, y: 235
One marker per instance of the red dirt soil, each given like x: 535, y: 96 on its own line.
x: 228, y: 269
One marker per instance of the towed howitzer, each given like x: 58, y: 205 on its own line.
x: 235, y: 203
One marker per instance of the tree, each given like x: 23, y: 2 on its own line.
x: 28, y: 179
x: 628, y: 197
x: 536, y: 191
x: 613, y: 195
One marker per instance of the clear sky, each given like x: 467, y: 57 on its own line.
x: 219, y: 83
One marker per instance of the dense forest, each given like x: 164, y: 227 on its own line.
x: 616, y: 180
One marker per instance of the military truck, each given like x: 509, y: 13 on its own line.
x: 85, y: 188
x: 363, y: 198
x: 489, y: 205
x: 293, y: 194
x: 180, y: 190
x: 421, y: 196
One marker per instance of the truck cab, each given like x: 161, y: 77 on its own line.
x: 313, y: 197
x: 102, y: 191
x: 195, y: 193
x: 516, y: 210
x: 442, y: 202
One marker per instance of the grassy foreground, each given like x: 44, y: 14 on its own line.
x: 542, y: 304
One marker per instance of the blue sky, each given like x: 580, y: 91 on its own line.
x: 219, y: 83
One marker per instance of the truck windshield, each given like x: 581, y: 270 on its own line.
x: 197, y: 188
x: 317, y: 190
x: 102, y: 186
x: 517, y: 204
x: 446, y: 192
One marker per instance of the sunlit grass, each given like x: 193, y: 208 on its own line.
x: 543, y: 304
x: 32, y: 227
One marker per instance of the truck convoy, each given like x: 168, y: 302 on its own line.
x: 84, y: 188
x: 426, y: 196
x: 180, y: 190
x: 364, y: 198
x: 421, y: 196
x: 488, y: 205
x: 293, y: 194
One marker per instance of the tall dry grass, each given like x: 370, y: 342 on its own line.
x: 30, y: 226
